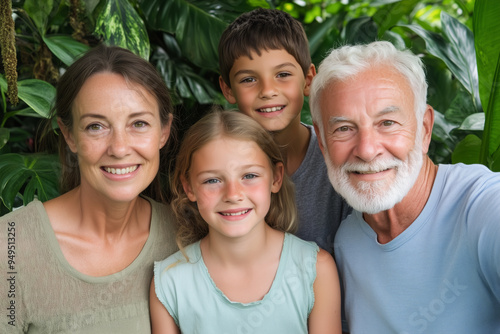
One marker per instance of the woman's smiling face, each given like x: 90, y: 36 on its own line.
x: 117, y: 134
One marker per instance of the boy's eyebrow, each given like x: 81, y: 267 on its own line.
x: 277, y: 67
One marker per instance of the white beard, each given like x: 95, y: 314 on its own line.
x: 376, y: 196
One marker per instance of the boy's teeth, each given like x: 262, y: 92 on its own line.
x: 121, y: 171
x: 235, y: 213
x: 270, y: 109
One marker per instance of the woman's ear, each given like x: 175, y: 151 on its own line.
x: 68, y: 136
x: 279, y: 171
x: 187, y: 189
x: 165, y: 131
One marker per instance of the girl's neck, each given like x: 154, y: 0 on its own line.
x: 240, y: 251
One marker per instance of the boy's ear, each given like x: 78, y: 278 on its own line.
x: 309, y: 77
x: 279, y: 171
x: 187, y: 189
x: 226, y: 91
x: 68, y: 136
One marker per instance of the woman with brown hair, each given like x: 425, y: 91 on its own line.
x: 83, y: 261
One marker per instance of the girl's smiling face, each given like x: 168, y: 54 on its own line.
x: 117, y: 134
x: 231, y: 181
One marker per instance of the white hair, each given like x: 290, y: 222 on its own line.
x: 347, y: 61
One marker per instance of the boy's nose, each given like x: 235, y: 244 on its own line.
x: 268, y: 89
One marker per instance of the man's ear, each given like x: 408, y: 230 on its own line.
x: 68, y: 136
x: 428, y: 123
x: 311, y: 73
x: 320, y: 138
x: 165, y: 131
x: 187, y: 189
x: 279, y: 171
x: 226, y: 91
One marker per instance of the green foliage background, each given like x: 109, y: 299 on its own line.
x: 457, y: 40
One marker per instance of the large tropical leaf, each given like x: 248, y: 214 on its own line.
x: 388, y: 16
x: 487, y: 41
x: 65, y: 48
x: 197, y: 31
x: 119, y: 24
x: 37, y: 94
x: 456, y: 48
x: 39, y: 12
x: 35, y: 174
x: 182, y: 80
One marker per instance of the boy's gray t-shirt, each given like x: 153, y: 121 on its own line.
x: 320, y: 208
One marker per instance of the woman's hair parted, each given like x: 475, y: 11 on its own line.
x: 108, y: 59
x: 282, y: 212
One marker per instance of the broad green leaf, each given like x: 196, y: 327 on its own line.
x: 456, y: 49
x: 442, y: 128
x: 388, y: 16
x: 360, y: 30
x: 197, y: 31
x: 39, y: 12
x: 487, y: 41
x: 120, y: 24
x: 37, y: 94
x: 182, y: 80
x: 474, y: 122
x: 495, y: 161
x: 65, y: 48
x: 4, y: 136
x: 467, y: 151
x: 38, y: 173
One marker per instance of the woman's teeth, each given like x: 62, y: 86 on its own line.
x: 120, y: 171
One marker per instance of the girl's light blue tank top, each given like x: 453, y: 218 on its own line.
x: 198, y: 306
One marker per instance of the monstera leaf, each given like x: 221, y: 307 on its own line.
x: 33, y: 174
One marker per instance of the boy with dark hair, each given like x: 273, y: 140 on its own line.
x: 266, y: 70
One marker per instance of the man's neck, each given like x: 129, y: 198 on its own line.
x: 391, y: 223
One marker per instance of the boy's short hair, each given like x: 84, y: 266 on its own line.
x: 262, y: 29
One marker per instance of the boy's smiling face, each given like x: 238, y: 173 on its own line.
x: 269, y: 88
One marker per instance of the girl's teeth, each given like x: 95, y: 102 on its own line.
x: 235, y: 213
x: 121, y: 171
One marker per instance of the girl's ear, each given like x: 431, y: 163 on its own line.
x: 187, y: 189
x: 68, y: 136
x: 279, y: 171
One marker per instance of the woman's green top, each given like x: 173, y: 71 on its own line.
x: 40, y: 292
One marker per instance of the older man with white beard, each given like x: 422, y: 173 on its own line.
x: 421, y: 251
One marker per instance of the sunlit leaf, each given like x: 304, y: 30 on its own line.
x: 487, y: 34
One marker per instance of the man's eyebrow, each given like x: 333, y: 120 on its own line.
x: 388, y: 110
x: 337, y: 119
